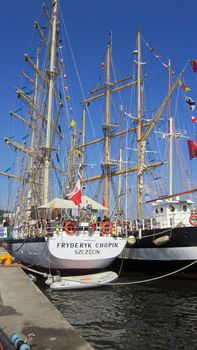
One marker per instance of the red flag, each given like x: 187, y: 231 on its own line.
x: 194, y: 120
x: 184, y: 87
x: 192, y: 146
x: 194, y: 66
x: 75, y: 195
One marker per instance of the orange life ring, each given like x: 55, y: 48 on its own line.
x: 107, y: 228
x: 70, y: 227
x: 193, y: 223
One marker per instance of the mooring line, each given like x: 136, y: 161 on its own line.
x: 154, y: 278
x: 111, y: 283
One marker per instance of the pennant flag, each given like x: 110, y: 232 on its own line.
x: 75, y: 195
x: 25, y: 137
x: 17, y: 110
x: 72, y: 123
x: 57, y: 157
x: 60, y: 129
x: 78, y: 152
x: 184, y: 87
x: 68, y: 97
x: 103, y: 65
x: 194, y: 120
x: 150, y: 48
x: 29, y: 92
x: 194, y: 66
x: 191, y: 103
x: 164, y: 64
x: 192, y: 146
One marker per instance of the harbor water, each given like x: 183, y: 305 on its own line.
x: 154, y: 315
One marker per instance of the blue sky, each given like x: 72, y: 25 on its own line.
x: 169, y: 26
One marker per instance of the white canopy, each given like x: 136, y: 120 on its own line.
x: 66, y: 204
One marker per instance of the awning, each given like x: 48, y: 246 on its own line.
x: 58, y: 203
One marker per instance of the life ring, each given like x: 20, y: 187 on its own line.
x: 107, y: 228
x: 193, y: 223
x: 70, y: 227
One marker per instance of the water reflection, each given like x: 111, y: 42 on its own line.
x: 156, y: 315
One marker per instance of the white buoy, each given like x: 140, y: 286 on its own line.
x: 131, y: 240
x: 161, y: 240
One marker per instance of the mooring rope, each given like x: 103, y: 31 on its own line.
x: 44, y: 274
x: 154, y: 278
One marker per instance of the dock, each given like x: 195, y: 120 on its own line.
x: 25, y: 310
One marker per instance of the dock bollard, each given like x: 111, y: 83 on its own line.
x: 19, y: 343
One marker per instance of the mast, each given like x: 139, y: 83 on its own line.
x: 170, y: 131
x: 143, y: 136
x: 71, y: 170
x: 30, y: 199
x: 120, y: 165
x: 139, y: 133
x: 83, y: 142
x: 106, y: 131
x: 51, y: 75
x: 143, y: 130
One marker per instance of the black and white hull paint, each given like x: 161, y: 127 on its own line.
x: 171, y: 242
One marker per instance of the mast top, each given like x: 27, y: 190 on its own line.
x: 110, y: 39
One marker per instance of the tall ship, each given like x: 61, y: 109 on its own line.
x: 149, y: 163
x: 105, y: 184
x: 163, y: 237
x: 54, y: 224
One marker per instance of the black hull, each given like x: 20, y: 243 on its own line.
x: 159, y: 267
x: 175, y: 254
x: 179, y: 237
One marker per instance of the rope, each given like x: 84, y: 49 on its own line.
x: 154, y: 278
x: 44, y: 274
x: 78, y: 76
x: 158, y: 233
x: 111, y: 283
